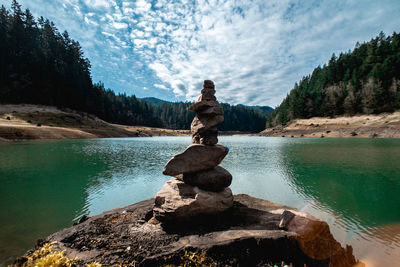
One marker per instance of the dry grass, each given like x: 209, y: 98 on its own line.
x: 47, y: 256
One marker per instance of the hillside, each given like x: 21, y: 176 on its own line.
x: 363, y: 81
x: 155, y: 101
x: 266, y: 110
x: 24, y: 122
x: 384, y: 125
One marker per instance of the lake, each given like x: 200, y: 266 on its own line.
x: 353, y: 184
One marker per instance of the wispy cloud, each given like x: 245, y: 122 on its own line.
x: 254, y: 50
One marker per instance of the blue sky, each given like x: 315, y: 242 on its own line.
x: 253, y: 50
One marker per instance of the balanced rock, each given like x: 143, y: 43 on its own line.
x: 213, y: 180
x: 198, y: 106
x: 195, y: 158
x: 209, y: 137
x: 208, y: 91
x: 208, y: 84
x: 211, y: 111
x: 200, y: 124
x: 178, y: 201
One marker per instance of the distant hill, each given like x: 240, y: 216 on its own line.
x: 363, y: 81
x: 155, y: 101
x: 264, y: 109
x: 238, y: 117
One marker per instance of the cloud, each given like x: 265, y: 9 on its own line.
x: 161, y: 86
x: 119, y: 25
x: 97, y: 3
x: 253, y: 50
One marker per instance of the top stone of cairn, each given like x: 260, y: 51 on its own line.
x: 208, y: 91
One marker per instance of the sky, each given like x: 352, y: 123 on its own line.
x: 253, y: 50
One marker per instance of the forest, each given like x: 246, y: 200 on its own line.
x: 41, y: 65
x: 237, y: 118
x: 363, y: 81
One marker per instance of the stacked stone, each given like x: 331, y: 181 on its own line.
x: 201, y: 186
x: 208, y: 115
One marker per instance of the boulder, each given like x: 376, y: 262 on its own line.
x: 195, y: 158
x: 247, y: 234
x: 178, y: 201
x: 201, y: 124
x: 213, y: 180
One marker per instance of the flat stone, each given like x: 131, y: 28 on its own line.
x: 204, y: 97
x: 213, y: 180
x: 203, y: 105
x: 195, y: 158
x: 207, y: 92
x: 200, y: 124
x: 178, y: 201
x: 211, y: 111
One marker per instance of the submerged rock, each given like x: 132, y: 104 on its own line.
x: 195, y: 158
x: 178, y: 201
x: 247, y: 234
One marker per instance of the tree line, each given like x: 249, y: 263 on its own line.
x: 40, y: 65
x: 236, y: 118
x: 363, y: 81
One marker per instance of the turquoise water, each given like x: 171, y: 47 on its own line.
x: 353, y: 184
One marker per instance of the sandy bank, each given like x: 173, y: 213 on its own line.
x: 24, y: 122
x: 386, y: 125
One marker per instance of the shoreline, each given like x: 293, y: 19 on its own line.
x: 22, y: 122
x: 36, y: 122
x: 385, y: 125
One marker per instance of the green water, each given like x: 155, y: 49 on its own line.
x: 353, y: 184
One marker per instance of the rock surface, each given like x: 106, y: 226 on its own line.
x: 199, y: 106
x: 201, y: 124
x: 195, y: 158
x: 214, y: 180
x: 178, y: 201
x: 247, y: 234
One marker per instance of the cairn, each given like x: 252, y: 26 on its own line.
x: 201, y: 186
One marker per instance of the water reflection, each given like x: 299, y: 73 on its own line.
x: 356, y: 189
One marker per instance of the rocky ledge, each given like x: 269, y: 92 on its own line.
x: 253, y: 231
